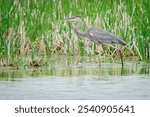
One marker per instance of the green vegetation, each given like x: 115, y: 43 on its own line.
x: 31, y: 31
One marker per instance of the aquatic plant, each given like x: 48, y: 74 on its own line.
x: 35, y: 29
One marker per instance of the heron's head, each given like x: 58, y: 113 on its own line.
x: 74, y: 18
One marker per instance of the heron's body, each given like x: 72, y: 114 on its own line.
x: 100, y: 36
x: 96, y: 35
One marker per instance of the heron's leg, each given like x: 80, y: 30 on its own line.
x: 100, y: 57
x: 120, y: 53
x: 121, y: 57
x: 100, y: 61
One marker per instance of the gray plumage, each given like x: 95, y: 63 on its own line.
x: 103, y: 36
x: 96, y: 35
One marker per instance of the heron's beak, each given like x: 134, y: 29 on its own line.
x: 69, y: 19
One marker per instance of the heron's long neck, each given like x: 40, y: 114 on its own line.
x: 77, y: 28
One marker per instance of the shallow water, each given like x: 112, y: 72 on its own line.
x: 65, y: 79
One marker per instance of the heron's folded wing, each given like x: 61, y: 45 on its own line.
x: 102, y: 36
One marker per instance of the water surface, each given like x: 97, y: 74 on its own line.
x: 65, y: 79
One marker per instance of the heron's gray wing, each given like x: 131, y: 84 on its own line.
x: 102, y: 36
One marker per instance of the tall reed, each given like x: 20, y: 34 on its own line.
x: 32, y: 21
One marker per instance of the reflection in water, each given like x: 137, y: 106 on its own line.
x: 76, y: 78
x: 67, y: 67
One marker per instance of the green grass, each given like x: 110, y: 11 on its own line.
x: 23, y: 24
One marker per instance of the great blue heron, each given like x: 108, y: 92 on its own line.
x: 99, y: 36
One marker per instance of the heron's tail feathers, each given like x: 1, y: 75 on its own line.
x: 119, y: 41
